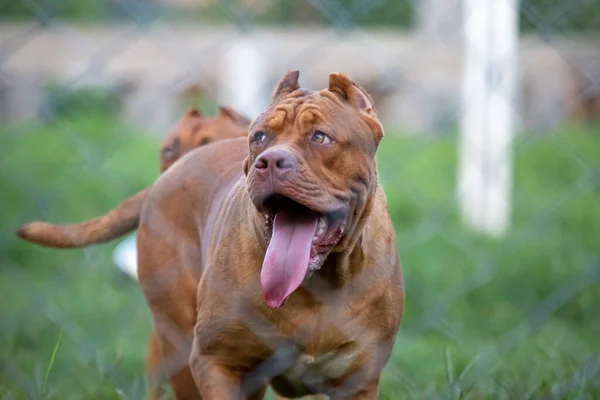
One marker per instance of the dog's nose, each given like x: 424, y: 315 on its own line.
x: 278, y: 162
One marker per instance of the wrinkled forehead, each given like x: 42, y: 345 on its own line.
x: 306, y: 109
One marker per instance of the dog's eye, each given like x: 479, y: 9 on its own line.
x: 259, y: 137
x: 321, y: 138
x: 168, y: 152
x: 172, y: 149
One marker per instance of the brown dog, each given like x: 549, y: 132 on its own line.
x: 191, y: 131
x: 276, y: 256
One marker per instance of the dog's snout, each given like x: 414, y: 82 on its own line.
x: 278, y: 162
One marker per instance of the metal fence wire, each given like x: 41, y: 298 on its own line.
x: 89, y: 90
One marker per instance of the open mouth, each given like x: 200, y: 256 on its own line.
x: 299, y: 241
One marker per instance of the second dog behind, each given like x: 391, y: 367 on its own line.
x: 191, y: 131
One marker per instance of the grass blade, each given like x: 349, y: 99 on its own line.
x: 51, y: 363
x: 448, y: 366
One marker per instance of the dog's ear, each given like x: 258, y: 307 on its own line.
x: 342, y: 85
x: 247, y: 162
x: 194, y: 113
x: 287, y: 84
x: 233, y: 115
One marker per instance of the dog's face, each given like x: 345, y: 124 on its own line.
x: 194, y: 130
x: 310, y: 173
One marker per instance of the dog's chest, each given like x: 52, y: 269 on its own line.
x: 314, y: 372
x: 331, y: 365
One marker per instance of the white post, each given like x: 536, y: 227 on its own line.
x: 439, y: 19
x: 242, y: 82
x: 489, y: 82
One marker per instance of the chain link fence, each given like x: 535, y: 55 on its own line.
x: 89, y: 89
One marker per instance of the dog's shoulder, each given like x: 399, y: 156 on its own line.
x: 379, y: 230
x: 213, y: 157
x: 199, y: 172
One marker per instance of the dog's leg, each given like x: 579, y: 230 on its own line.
x: 172, y: 303
x: 260, y: 395
x: 153, y: 367
x: 216, y: 382
x: 174, y: 365
x: 170, y: 290
x: 213, y: 381
x: 184, y: 387
x: 368, y: 392
x: 174, y: 333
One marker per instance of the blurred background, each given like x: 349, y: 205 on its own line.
x: 491, y: 164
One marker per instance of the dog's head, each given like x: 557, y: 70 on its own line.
x: 311, y: 173
x: 195, y: 130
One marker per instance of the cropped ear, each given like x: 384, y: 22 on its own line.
x: 247, y: 162
x: 233, y: 115
x: 342, y: 84
x: 287, y: 84
x: 194, y: 113
x: 349, y: 91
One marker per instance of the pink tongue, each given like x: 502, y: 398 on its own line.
x: 286, y: 261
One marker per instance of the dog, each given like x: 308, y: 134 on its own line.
x: 191, y: 131
x: 272, y: 260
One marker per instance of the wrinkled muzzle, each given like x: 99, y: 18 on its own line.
x: 301, y: 227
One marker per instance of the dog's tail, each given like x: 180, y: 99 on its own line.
x: 117, y: 222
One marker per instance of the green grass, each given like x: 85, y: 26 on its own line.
x: 517, y: 317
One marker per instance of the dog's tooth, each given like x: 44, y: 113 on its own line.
x: 320, y: 231
x: 322, y: 223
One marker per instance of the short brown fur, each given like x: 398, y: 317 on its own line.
x: 201, y: 244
